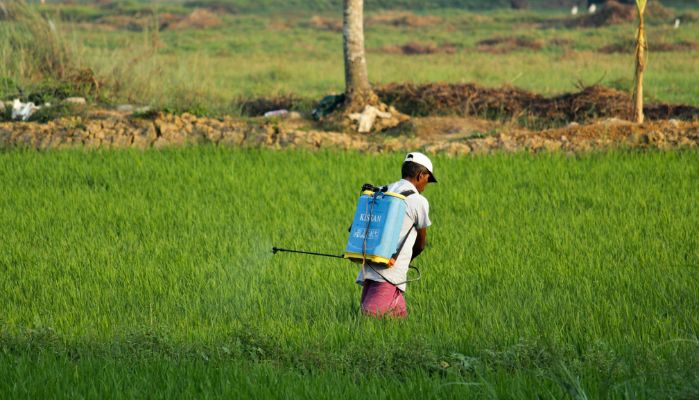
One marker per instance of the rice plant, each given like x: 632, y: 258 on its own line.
x: 127, y: 272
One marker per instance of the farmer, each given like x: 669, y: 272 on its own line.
x: 382, y: 287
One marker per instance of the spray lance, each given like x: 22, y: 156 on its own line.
x: 375, y: 231
x: 277, y: 249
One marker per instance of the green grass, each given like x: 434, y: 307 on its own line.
x: 127, y: 272
x: 159, y: 378
x: 234, y: 61
x: 261, y: 6
x: 266, y: 54
x: 275, y: 6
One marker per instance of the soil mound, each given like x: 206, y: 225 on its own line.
x: 455, y: 99
x: 404, y: 19
x: 590, y: 103
x: 528, y: 108
x: 671, y: 111
x: 617, y: 13
x: 197, y: 19
x: 125, y: 22
x: 654, y: 47
x: 417, y: 48
x: 215, y: 6
x: 326, y: 24
x: 689, y: 16
x: 391, y: 18
x: 502, y: 45
x: 200, y: 18
x: 612, y: 13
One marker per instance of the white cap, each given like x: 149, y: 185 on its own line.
x: 421, y: 159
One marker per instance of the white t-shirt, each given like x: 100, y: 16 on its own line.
x: 417, y: 214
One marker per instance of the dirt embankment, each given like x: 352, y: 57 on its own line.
x: 449, y: 118
x: 454, y: 136
x: 507, y: 103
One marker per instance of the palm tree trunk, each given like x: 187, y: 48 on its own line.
x: 357, y: 89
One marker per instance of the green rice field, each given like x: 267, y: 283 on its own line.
x: 131, y: 274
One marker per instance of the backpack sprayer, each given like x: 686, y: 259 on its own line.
x: 375, y: 231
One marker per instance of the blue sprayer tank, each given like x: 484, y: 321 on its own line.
x: 378, y: 218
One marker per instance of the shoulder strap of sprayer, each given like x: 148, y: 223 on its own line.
x: 394, y: 257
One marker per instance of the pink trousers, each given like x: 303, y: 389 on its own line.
x: 381, y: 299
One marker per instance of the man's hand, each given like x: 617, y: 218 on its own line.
x: 420, y: 242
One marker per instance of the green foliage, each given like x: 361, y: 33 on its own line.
x: 214, y: 71
x: 247, y: 6
x: 252, y: 56
x: 548, y: 275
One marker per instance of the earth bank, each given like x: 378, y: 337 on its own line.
x: 450, y: 135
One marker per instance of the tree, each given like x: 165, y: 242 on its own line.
x: 358, y: 92
x: 362, y: 109
x: 640, y: 64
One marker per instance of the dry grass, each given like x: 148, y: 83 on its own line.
x: 529, y: 109
x: 37, y: 62
x: 32, y: 45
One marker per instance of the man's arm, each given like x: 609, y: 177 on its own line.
x: 420, y: 242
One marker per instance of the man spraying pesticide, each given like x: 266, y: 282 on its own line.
x: 388, y: 231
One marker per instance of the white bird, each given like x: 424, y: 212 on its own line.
x: 677, y: 23
x: 574, y: 10
x: 592, y: 9
x: 23, y: 110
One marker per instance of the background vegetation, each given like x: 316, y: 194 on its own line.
x: 330, y: 5
x: 121, y: 53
